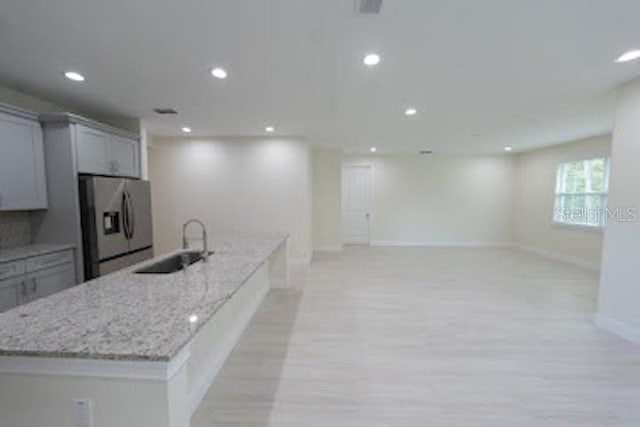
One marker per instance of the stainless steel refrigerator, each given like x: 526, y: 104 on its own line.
x: 116, y: 223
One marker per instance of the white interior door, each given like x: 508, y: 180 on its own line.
x: 356, y: 203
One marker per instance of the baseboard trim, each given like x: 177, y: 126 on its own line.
x: 615, y: 327
x: 410, y: 243
x: 328, y: 248
x: 555, y: 256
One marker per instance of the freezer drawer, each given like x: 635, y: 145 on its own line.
x: 124, y: 261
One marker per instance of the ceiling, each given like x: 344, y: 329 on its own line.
x: 482, y: 74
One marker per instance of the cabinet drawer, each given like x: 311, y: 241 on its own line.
x: 10, y: 269
x: 49, y: 260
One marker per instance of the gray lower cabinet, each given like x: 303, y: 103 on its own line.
x: 9, y: 289
x: 22, y: 173
x: 35, y: 278
x: 48, y: 281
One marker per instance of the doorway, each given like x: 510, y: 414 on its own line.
x: 357, y: 186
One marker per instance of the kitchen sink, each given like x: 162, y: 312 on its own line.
x: 173, y: 264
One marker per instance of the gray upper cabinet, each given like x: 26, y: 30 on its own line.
x: 92, y: 150
x: 49, y: 281
x: 22, y: 173
x: 103, y: 153
x: 123, y: 152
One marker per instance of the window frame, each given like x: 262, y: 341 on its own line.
x: 604, y: 196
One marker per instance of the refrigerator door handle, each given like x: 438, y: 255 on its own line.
x: 125, y: 215
x: 132, y: 216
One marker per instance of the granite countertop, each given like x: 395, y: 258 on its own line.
x: 28, y: 251
x: 127, y: 316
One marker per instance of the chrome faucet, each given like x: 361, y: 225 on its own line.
x: 185, y: 242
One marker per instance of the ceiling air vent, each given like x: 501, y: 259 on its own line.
x: 165, y: 111
x: 368, y: 7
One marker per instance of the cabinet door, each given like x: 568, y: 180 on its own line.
x: 9, y: 293
x: 49, y: 281
x: 22, y: 176
x: 123, y: 152
x: 92, y: 148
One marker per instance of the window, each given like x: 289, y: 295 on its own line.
x: 581, y: 193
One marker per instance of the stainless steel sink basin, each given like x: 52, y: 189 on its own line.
x: 173, y: 264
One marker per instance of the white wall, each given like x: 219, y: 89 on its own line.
x: 440, y: 199
x: 619, y: 299
x: 327, y: 176
x: 534, y: 203
x: 238, y: 184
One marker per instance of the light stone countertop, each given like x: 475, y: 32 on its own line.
x: 29, y: 251
x: 128, y: 316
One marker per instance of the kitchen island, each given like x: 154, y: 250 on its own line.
x: 139, y: 349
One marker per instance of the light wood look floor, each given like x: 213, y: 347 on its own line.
x: 429, y: 337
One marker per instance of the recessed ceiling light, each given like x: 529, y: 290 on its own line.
x: 186, y: 129
x: 219, y: 73
x: 74, y: 75
x: 165, y: 110
x: 373, y: 149
x: 411, y: 112
x: 632, y: 55
x: 508, y: 148
x: 371, y: 59
x: 269, y: 129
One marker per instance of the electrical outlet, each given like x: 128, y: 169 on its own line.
x: 82, y: 413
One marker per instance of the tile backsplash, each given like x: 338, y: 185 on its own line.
x: 14, y: 229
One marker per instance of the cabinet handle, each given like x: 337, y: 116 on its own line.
x: 24, y: 290
x: 34, y: 285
